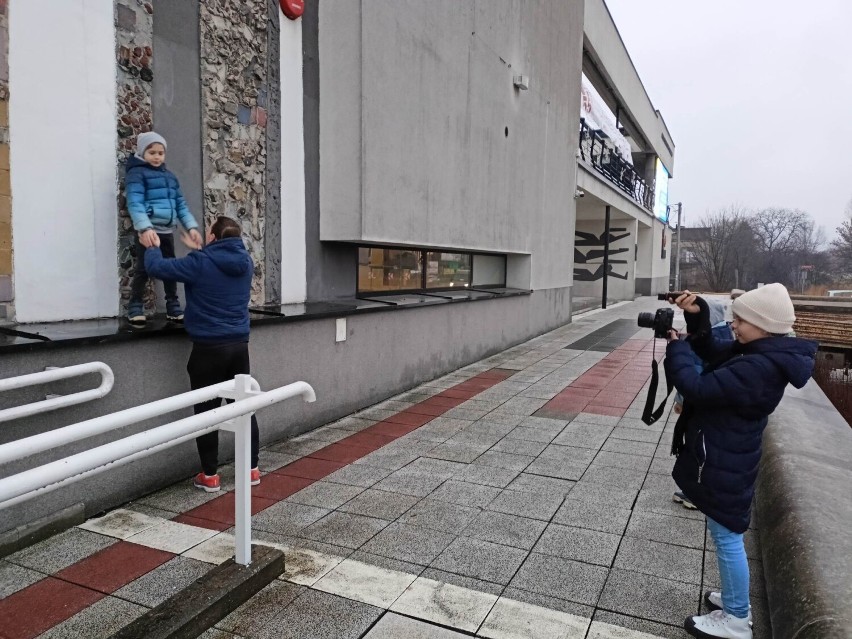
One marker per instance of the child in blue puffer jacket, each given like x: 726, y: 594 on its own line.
x: 156, y: 205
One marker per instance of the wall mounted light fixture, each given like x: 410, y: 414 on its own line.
x: 521, y: 82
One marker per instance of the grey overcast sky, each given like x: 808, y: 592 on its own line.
x: 757, y: 95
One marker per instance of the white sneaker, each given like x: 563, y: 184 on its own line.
x: 714, y: 602
x: 718, y: 625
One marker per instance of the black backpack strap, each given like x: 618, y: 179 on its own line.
x: 647, y: 416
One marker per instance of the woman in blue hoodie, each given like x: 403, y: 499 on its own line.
x: 156, y: 205
x: 717, y: 438
x: 217, y: 282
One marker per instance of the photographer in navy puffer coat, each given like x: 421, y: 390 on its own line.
x: 717, y: 438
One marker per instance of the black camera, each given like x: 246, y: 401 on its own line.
x: 661, y: 321
x: 671, y: 296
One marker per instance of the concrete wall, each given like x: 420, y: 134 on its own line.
x: 617, y: 288
x: 293, y: 255
x: 330, y: 268
x: 63, y: 159
x: 425, y: 140
x: 803, y: 508
x: 383, y: 354
x: 176, y: 95
x: 610, y: 55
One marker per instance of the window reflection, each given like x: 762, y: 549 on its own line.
x: 381, y: 269
x: 447, y: 270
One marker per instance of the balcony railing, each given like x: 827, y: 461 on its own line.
x: 595, y: 150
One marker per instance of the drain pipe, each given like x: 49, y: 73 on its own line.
x: 606, y: 257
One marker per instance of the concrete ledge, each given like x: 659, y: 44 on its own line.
x: 804, y: 518
x: 209, y: 599
x: 40, y: 529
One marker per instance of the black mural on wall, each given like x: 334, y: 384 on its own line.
x: 583, y: 255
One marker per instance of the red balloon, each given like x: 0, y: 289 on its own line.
x: 293, y: 9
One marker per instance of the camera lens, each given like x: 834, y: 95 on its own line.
x: 645, y: 320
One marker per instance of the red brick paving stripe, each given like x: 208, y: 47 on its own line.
x: 201, y: 523
x: 39, y: 607
x: 455, y: 393
x: 577, y: 391
x: 221, y: 509
x: 500, y: 374
x: 446, y: 402
x: 426, y: 409
x: 278, y: 487
x: 367, y: 439
x: 115, y: 566
x: 391, y: 429
x: 476, y: 385
x: 341, y: 453
x: 589, y: 383
x: 410, y: 419
x: 310, y: 467
x: 611, y: 400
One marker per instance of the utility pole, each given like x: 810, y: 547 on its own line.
x: 677, y: 247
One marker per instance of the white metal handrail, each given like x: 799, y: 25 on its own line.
x: 234, y: 417
x: 75, y: 432
x: 53, y: 375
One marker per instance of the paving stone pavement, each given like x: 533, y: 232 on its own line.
x: 518, y: 497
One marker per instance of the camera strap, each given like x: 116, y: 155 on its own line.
x: 648, y: 416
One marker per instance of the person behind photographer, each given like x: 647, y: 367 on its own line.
x: 721, y: 329
x: 717, y: 438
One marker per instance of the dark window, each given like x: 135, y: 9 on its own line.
x: 391, y: 270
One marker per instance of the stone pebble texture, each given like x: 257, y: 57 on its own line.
x: 234, y: 103
x: 134, y: 30
x: 6, y: 292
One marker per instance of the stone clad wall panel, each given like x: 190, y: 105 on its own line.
x: 234, y: 103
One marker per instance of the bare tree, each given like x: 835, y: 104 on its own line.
x: 724, y: 254
x: 780, y: 233
x: 842, y: 249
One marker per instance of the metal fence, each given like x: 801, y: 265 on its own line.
x: 595, y: 150
x: 836, y: 383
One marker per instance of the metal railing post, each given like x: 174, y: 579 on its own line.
x: 242, y: 467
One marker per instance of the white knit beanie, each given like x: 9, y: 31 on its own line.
x: 768, y: 307
x: 147, y: 139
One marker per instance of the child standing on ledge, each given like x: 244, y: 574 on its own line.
x: 156, y: 205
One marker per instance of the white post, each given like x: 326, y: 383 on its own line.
x: 241, y: 427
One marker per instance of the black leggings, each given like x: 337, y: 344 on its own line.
x: 210, y: 364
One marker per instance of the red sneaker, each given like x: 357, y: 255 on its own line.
x: 255, y: 476
x: 207, y: 484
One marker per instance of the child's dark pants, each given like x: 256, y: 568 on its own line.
x: 140, y: 275
x: 210, y: 364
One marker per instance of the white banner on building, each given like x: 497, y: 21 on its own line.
x: 598, y: 116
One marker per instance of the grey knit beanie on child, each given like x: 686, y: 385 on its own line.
x: 147, y: 139
x: 768, y: 307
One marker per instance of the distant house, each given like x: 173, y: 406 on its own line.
x: 691, y: 276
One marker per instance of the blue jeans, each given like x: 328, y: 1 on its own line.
x: 733, y: 568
